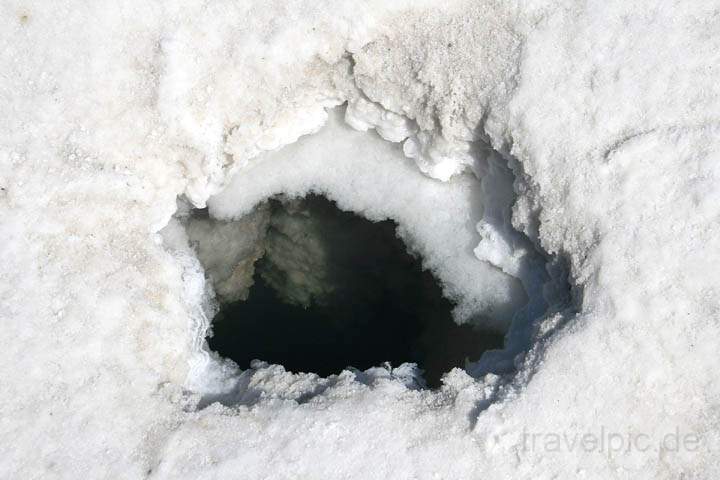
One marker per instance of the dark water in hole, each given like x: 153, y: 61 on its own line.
x: 384, y: 307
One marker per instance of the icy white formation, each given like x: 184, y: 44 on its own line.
x: 362, y: 174
x: 608, y: 111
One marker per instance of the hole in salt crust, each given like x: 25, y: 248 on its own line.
x: 321, y: 290
x: 301, y: 283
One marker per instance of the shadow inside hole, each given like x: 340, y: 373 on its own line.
x: 335, y: 290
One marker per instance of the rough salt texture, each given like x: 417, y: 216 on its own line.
x: 228, y: 250
x: 111, y: 110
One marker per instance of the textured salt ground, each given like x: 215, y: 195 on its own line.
x: 112, y: 110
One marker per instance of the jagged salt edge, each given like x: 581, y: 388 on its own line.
x: 436, y: 157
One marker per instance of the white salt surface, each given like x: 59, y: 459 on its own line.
x: 113, y: 109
